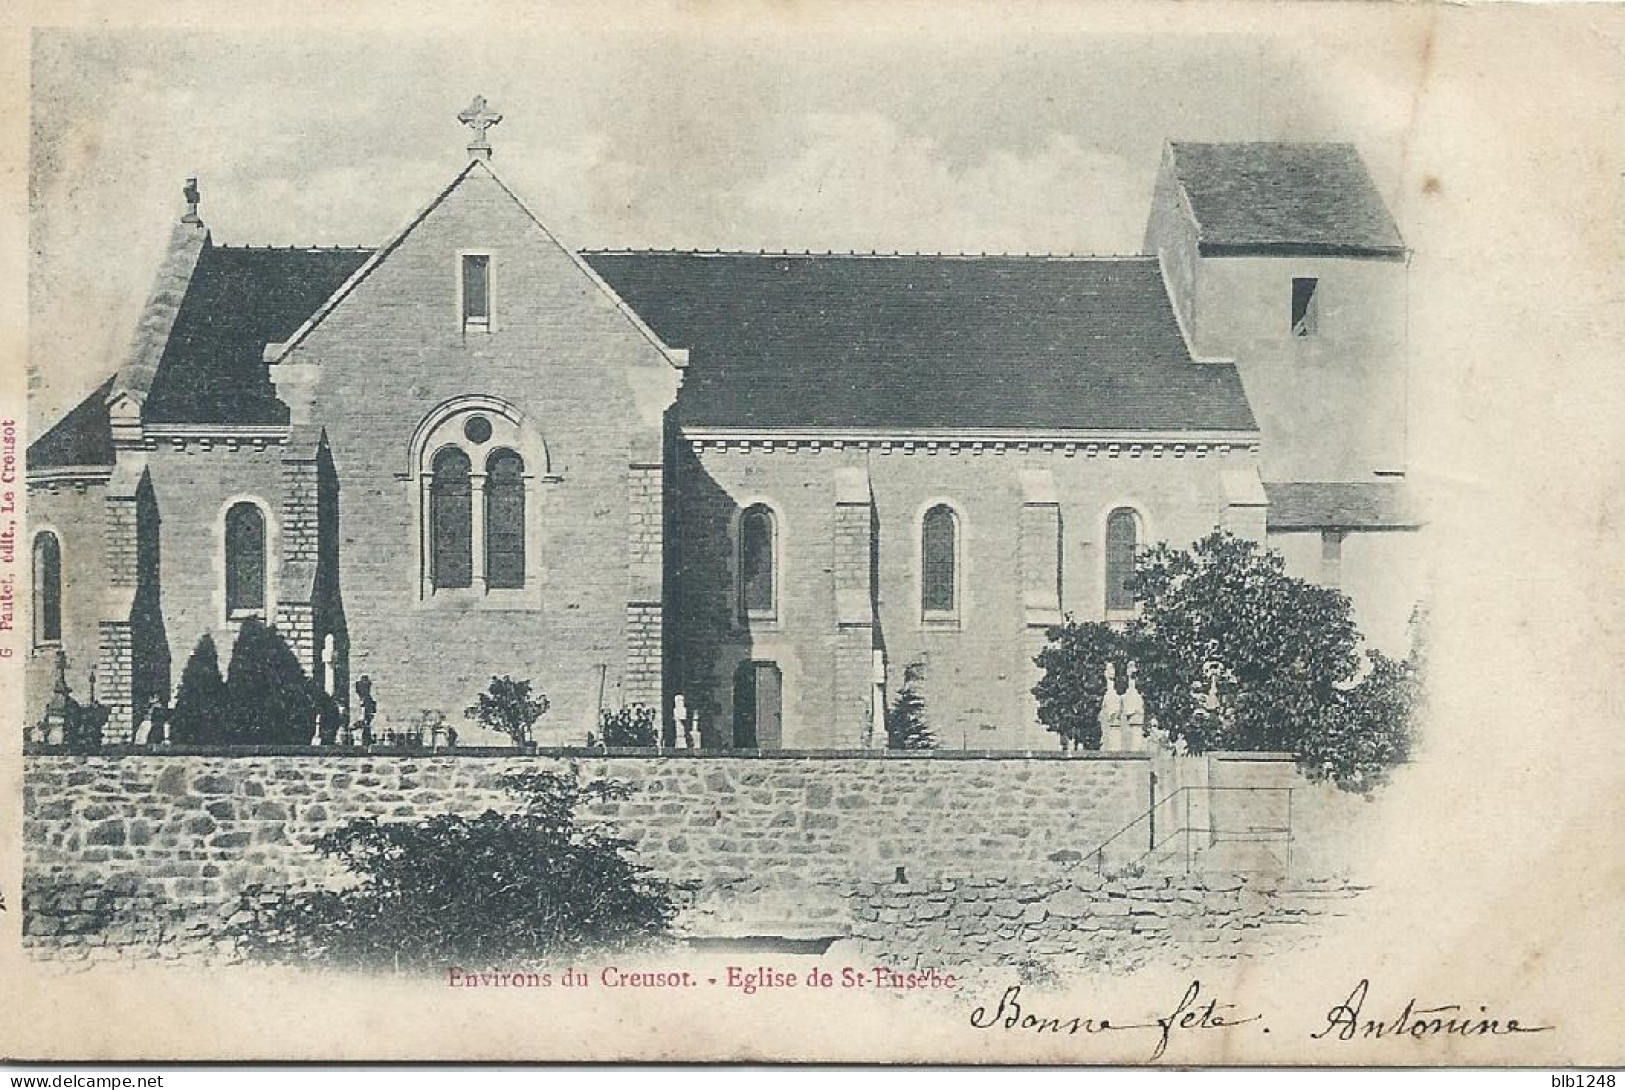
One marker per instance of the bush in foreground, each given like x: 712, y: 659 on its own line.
x: 497, y: 888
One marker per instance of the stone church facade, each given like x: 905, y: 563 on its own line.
x: 764, y: 483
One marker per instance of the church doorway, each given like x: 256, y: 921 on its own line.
x: 758, y: 706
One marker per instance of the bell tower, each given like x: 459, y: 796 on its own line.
x: 1284, y: 258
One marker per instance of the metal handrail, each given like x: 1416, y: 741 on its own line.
x: 1256, y: 834
x: 1100, y: 849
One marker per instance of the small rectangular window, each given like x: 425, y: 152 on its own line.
x: 476, y: 291
x: 1305, y: 316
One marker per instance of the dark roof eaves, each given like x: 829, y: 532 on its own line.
x: 1380, y: 525
x: 1300, y: 249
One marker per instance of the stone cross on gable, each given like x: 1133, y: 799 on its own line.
x: 479, y: 117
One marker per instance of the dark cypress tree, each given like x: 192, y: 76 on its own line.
x: 905, y: 719
x: 200, y: 715
x: 267, y: 690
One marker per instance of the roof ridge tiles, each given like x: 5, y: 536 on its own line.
x: 309, y: 248
x: 878, y: 255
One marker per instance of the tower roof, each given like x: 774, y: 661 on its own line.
x: 1283, y: 199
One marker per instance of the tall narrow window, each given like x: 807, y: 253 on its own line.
x: 245, y: 560
x: 47, y: 589
x: 1331, y: 557
x: 504, y: 520
x: 1305, y: 306
x: 757, y: 544
x: 939, y: 561
x: 476, y: 291
x: 451, y: 521
x: 1122, y: 540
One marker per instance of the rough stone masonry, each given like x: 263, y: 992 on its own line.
x: 146, y: 855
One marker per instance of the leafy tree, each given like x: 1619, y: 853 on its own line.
x: 267, y: 693
x: 506, y: 706
x: 497, y: 888
x: 1073, y: 687
x: 1360, y: 737
x: 201, y: 710
x: 905, y: 719
x: 631, y: 727
x: 1231, y: 652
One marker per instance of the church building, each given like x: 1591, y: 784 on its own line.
x: 766, y: 483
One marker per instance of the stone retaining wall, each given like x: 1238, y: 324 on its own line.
x: 164, y: 845
x: 1083, y: 920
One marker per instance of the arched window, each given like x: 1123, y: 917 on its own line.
x: 245, y: 560
x: 758, y: 542
x: 504, y: 520
x: 47, y: 589
x: 482, y: 474
x: 939, y: 561
x: 451, y: 521
x: 1122, y: 541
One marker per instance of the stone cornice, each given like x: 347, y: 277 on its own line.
x: 1096, y: 444
x: 79, y: 477
x: 231, y: 437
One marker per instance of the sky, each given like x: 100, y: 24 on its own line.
x: 789, y: 133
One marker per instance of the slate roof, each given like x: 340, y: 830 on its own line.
x: 925, y: 343
x: 817, y: 342
x: 1285, y: 199
x: 1332, y: 505
x: 238, y: 300
x: 84, y: 437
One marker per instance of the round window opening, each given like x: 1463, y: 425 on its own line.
x: 478, y: 429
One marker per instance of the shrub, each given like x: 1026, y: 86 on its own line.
x: 507, y: 707
x: 631, y: 727
x: 905, y: 719
x: 267, y: 693
x: 1073, y: 687
x: 201, y: 710
x: 511, y: 888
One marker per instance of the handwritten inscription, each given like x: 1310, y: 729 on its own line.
x: 1347, y: 1021
x: 1191, y: 1014
x: 1198, y: 1012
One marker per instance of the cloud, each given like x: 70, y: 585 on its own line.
x: 862, y: 182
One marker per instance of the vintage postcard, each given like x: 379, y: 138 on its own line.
x: 925, y: 533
